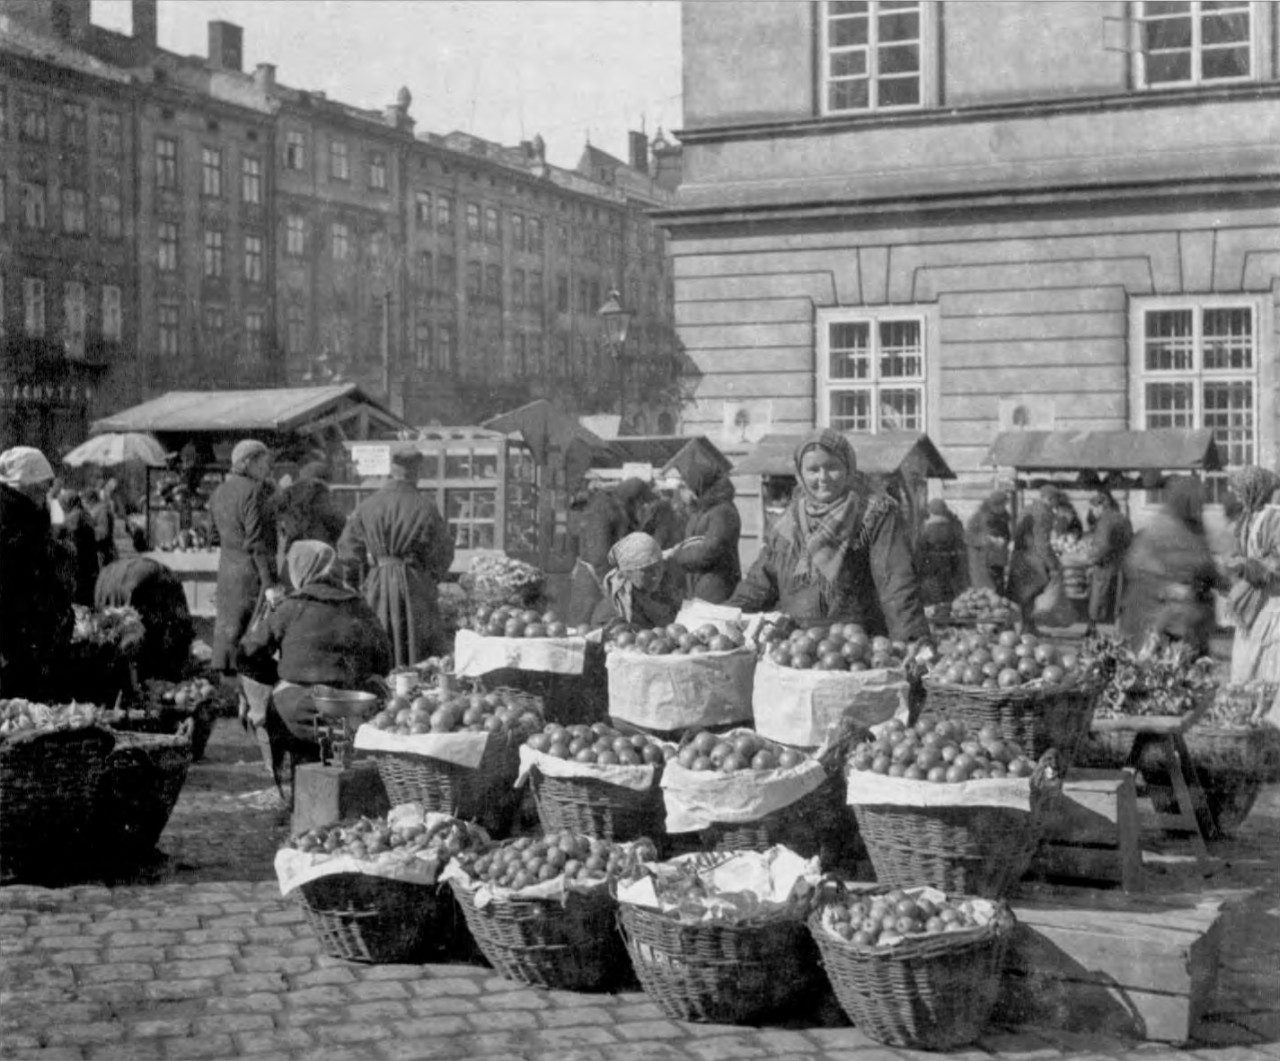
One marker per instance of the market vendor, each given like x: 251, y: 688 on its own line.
x: 1255, y: 591
x: 400, y: 536
x: 1033, y: 563
x: 641, y: 586
x: 1108, y: 541
x: 709, y: 554
x: 839, y: 551
x: 36, y: 619
x: 242, y: 510
x: 156, y: 594
x: 987, y: 535
x: 610, y: 514
x: 941, y: 560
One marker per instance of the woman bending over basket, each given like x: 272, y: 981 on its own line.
x: 642, y: 587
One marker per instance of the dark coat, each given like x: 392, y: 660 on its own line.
x: 604, y: 521
x: 80, y: 545
x: 36, y: 619
x: 103, y: 517
x: 876, y: 586
x: 941, y: 560
x: 242, y: 510
x: 987, y: 559
x: 399, y: 534
x: 1108, y: 542
x: 712, y: 568
x: 1033, y: 562
x: 306, y: 512
x: 155, y: 591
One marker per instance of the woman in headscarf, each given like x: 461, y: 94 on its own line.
x: 987, y: 535
x: 940, y: 555
x: 1109, y: 540
x: 1170, y: 575
x: 324, y: 633
x: 1255, y: 590
x: 840, y: 551
x: 709, y: 555
x: 641, y: 587
x: 1033, y: 563
x: 242, y: 508
x: 610, y: 514
x: 156, y: 593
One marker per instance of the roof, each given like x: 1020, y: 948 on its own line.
x: 662, y: 451
x: 280, y: 409
x: 1159, y: 449
x: 878, y: 454
x: 21, y: 40
x: 544, y: 428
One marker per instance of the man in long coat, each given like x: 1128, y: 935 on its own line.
x: 399, y: 534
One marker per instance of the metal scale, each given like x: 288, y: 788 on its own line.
x: 339, y: 713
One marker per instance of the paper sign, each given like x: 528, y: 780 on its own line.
x: 372, y: 460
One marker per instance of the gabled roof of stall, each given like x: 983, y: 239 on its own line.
x: 661, y: 451
x: 1159, y: 448
x: 544, y: 428
x: 878, y: 454
x: 277, y: 409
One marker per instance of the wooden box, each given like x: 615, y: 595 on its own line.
x: 1094, y: 838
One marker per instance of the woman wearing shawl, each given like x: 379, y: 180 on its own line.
x: 1169, y: 574
x: 1033, y: 563
x: 641, y: 587
x: 839, y: 551
x: 709, y: 554
x: 987, y: 535
x: 1108, y: 541
x: 1255, y: 590
x: 610, y: 515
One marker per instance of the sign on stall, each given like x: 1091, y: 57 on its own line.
x: 637, y: 470
x: 372, y: 460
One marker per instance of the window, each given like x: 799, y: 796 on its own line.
x: 167, y: 329
x: 167, y: 247
x: 1197, y: 367
x: 166, y: 162
x: 295, y: 151
x: 75, y: 130
x: 534, y: 299
x: 295, y: 235
x: 251, y: 180
x: 522, y: 354
x: 213, y: 323
x: 493, y: 284
x: 110, y: 133
x: 422, y: 208
x: 33, y: 123
x: 424, y: 275
x: 585, y: 305
x: 211, y: 172
x: 474, y: 281
x: 473, y: 221
x: 517, y: 232
x: 73, y: 319
x: 594, y: 299
x: 340, y: 240
x: 213, y: 257
x: 447, y: 274
x: 111, y: 215
x: 562, y: 293
x: 378, y: 171
x: 535, y: 234
x: 112, y: 314
x: 4, y: 210
x: 445, y: 342
x: 517, y: 288
x: 33, y: 206
x: 295, y: 335
x: 871, y: 55
x: 75, y: 211
x: 1194, y: 42
x: 422, y: 342
x: 253, y: 259
x: 253, y: 322
x: 339, y: 162
x: 871, y: 371
x: 33, y: 307
x: 444, y: 213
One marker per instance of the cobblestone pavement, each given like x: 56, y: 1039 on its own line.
x: 197, y: 956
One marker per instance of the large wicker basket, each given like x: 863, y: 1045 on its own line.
x: 137, y: 792
x: 572, y: 947
x: 597, y: 808
x: 364, y: 918
x: 48, y: 788
x: 719, y: 972
x: 935, y: 993
x: 1232, y: 766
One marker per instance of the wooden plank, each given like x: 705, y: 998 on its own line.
x: 1090, y: 812
x: 1038, y: 327
x: 1145, y: 957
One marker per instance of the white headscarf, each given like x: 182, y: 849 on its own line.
x: 24, y: 466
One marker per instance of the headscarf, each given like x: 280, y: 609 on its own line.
x: 1254, y: 487
x: 1184, y: 501
x: 24, y: 466
x: 937, y: 507
x: 823, y: 531
x: 629, y: 557
x: 245, y: 451
x: 308, y: 561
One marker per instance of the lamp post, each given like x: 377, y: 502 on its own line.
x: 615, y: 320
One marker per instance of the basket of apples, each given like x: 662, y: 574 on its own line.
x: 913, y: 967
x: 542, y: 910
x: 370, y: 889
x: 939, y: 803
x: 1038, y: 695
x: 453, y: 752
x: 506, y: 636
x: 671, y: 678
x: 596, y: 781
x: 976, y: 607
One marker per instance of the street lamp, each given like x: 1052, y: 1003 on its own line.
x: 615, y: 319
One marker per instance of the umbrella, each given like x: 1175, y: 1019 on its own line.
x: 118, y: 447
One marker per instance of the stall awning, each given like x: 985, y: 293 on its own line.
x: 879, y: 454
x: 1064, y: 451
x: 663, y: 452
x: 545, y: 428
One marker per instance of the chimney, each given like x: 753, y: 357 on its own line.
x: 144, y: 22
x: 264, y: 76
x: 639, y: 148
x: 226, y: 45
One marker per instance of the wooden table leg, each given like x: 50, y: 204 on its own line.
x: 1193, y: 814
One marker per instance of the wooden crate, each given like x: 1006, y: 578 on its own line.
x: 1095, y: 836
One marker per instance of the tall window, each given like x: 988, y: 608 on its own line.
x: 253, y: 327
x: 112, y: 314
x: 166, y: 162
x: 444, y: 213
x: 33, y: 316
x: 213, y: 322
x: 473, y: 221
x: 4, y: 208
x: 213, y: 256
x: 33, y: 205
x: 111, y: 215
x: 1195, y: 42
x: 211, y: 172
x: 339, y: 161
x: 422, y: 208
x: 492, y: 225
x: 871, y: 54
x: 75, y: 211
x: 493, y: 284
x: 295, y: 331
x: 33, y: 122
x: 167, y: 329
x: 517, y: 288
x: 534, y: 297
x: 446, y: 339
x: 73, y: 318
x: 110, y: 133
x: 75, y: 126
x: 295, y: 235
x: 378, y: 171
x: 447, y: 274
x: 425, y: 276
x: 295, y: 150
x: 167, y: 247
x: 1198, y: 368
x: 517, y: 232
x: 562, y: 293
x: 253, y: 259
x: 251, y: 179
x: 871, y: 371
x: 475, y: 281
x: 535, y: 234
x: 422, y: 342
x: 340, y: 241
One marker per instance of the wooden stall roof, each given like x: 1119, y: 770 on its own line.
x: 664, y: 452
x: 1062, y: 451
x: 279, y: 410
x: 878, y: 454
x: 545, y: 428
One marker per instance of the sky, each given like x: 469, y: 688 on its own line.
x: 501, y: 69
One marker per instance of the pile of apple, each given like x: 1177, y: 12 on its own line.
x: 729, y: 753
x: 509, y: 621
x: 982, y: 605
x: 673, y: 640
x: 840, y: 646
x: 530, y: 860
x: 401, y: 841
x: 22, y: 716
x: 598, y: 743
x: 1005, y: 660
x: 433, y: 711
x: 185, y: 697
x: 942, y: 751
x: 886, y: 919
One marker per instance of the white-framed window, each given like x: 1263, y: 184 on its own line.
x: 378, y: 171
x: 340, y: 240
x: 253, y: 259
x: 33, y: 316
x: 112, y: 314
x: 295, y: 235
x: 33, y: 205
x: 213, y: 323
x: 75, y: 211
x: 1196, y: 363
x: 167, y: 247
x: 446, y: 337
x: 295, y: 150
x: 214, y: 258
x: 1196, y: 42
x: 422, y: 342
x: 211, y: 172
x: 167, y: 329
x: 872, y: 369
x: 873, y: 55
x: 73, y: 318
x: 110, y: 133
x: 75, y: 126
x: 166, y: 162
x: 339, y: 160
x: 251, y: 179
x: 253, y: 327
x: 444, y: 213
x: 422, y: 207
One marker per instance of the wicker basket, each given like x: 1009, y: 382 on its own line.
x: 818, y: 824
x: 935, y: 993
x: 965, y: 850
x: 137, y: 792
x: 572, y: 947
x: 720, y: 973
x: 1232, y: 766
x: 598, y: 809
x: 48, y: 787
x: 363, y: 918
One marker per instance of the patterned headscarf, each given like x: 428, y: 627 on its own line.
x: 1254, y: 487
x: 309, y: 561
x: 630, y: 557
x: 823, y: 531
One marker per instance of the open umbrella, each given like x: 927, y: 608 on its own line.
x: 118, y: 447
